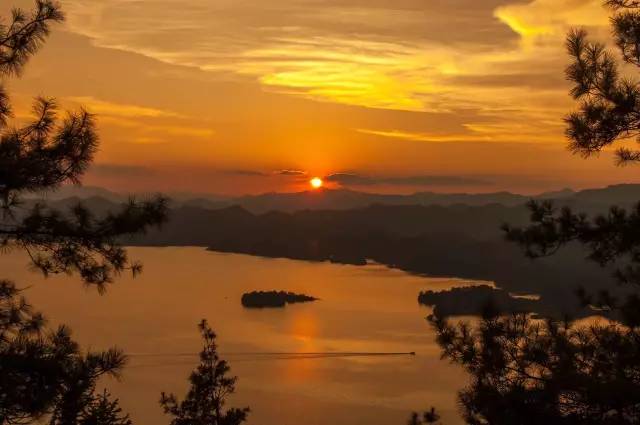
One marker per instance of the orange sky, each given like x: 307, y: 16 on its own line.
x: 246, y: 96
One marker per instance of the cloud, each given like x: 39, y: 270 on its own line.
x: 291, y: 173
x: 497, y: 77
x: 142, y: 132
x: 144, y: 125
x: 385, y: 54
x: 248, y: 173
x: 540, y: 19
x: 490, y: 128
x: 349, y: 179
x: 423, y: 137
x: 120, y: 170
x: 102, y: 107
x: 352, y: 179
x: 257, y: 173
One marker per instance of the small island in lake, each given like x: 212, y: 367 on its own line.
x: 273, y: 299
x: 472, y: 300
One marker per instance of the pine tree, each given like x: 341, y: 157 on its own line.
x: 526, y: 371
x: 210, y: 388
x: 44, y: 372
x: 104, y: 411
x: 48, y: 153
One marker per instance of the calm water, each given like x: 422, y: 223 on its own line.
x: 362, y: 309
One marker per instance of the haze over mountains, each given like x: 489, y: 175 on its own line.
x: 340, y: 199
x: 444, y: 235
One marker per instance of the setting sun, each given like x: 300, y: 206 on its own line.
x: 316, y: 182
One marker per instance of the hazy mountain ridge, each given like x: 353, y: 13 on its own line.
x: 344, y: 199
x: 446, y: 240
x: 455, y: 241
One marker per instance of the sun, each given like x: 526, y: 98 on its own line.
x: 316, y: 183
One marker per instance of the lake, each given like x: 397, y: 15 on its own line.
x: 370, y: 309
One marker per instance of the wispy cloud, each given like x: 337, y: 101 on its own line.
x: 550, y: 19
x: 247, y: 173
x: 295, y: 173
x: 276, y: 173
x: 424, y: 137
x: 102, y: 107
x: 120, y: 170
x: 492, y: 129
x: 353, y: 179
x: 378, y: 54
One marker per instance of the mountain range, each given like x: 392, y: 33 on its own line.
x: 443, y: 235
x: 623, y: 195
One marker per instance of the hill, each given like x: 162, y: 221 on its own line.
x: 441, y: 237
x: 343, y: 199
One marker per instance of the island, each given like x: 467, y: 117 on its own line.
x: 273, y: 299
x: 475, y: 300
x: 472, y: 300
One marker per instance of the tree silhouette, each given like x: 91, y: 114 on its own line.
x: 103, y: 410
x: 210, y: 387
x: 430, y: 417
x: 532, y: 371
x: 529, y: 371
x: 44, y: 373
x: 47, y: 153
x: 609, y: 101
x: 609, y: 113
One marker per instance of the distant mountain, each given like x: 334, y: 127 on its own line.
x: 440, y: 241
x: 447, y: 240
x: 79, y: 192
x: 205, y: 203
x: 88, y: 192
x: 331, y: 199
x: 622, y: 194
x: 590, y: 200
x: 558, y: 194
x: 343, y: 199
